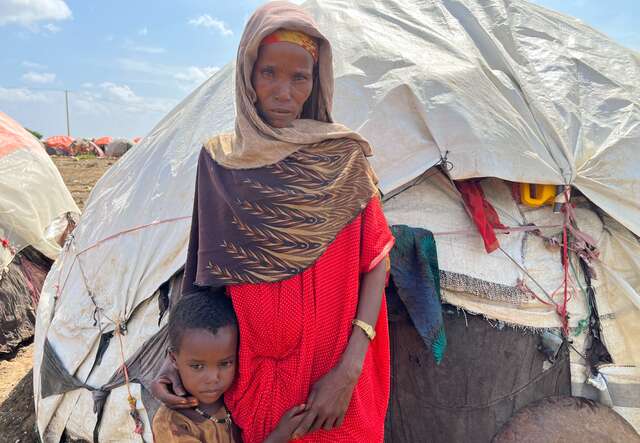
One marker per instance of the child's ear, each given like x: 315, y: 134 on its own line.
x: 172, y: 355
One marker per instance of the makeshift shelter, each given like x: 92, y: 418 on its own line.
x: 59, y: 145
x: 444, y: 90
x: 103, y: 141
x: 35, y: 209
x: 118, y: 147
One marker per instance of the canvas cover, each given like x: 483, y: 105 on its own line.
x: 34, y: 200
x: 467, y: 80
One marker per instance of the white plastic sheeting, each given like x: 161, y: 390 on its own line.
x: 34, y: 200
x: 508, y: 89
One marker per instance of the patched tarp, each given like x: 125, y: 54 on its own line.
x: 465, y: 80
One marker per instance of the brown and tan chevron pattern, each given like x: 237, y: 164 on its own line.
x: 284, y: 216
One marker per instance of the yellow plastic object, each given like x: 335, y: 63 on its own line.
x: 537, y: 195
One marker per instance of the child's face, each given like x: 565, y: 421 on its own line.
x: 207, y: 362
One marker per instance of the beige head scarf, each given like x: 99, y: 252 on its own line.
x: 254, y: 143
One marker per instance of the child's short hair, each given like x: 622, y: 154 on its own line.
x: 208, y: 310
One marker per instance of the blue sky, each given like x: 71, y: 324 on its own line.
x: 127, y: 63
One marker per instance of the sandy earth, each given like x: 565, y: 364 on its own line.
x: 17, y: 418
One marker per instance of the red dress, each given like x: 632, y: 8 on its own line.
x: 293, y: 332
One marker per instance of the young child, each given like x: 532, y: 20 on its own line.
x: 203, y: 334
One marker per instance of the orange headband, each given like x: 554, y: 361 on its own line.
x: 299, y: 38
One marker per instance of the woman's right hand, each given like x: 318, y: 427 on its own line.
x: 167, y: 387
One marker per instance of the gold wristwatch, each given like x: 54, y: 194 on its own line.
x: 366, y: 327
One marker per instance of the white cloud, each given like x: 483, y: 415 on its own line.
x: 52, y: 28
x: 29, y: 12
x: 122, y: 93
x: 39, y: 77
x: 207, y: 21
x: 195, y: 74
x: 87, y: 85
x: 22, y: 95
x: 33, y: 65
x: 189, y: 76
x: 143, y: 31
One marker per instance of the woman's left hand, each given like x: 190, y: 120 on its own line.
x: 329, y: 399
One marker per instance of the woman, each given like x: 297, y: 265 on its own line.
x: 288, y: 219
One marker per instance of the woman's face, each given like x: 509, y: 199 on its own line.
x: 283, y: 79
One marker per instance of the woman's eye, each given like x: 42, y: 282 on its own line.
x: 267, y: 72
x: 300, y: 77
x: 197, y: 367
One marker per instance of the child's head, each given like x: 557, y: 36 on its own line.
x: 203, y: 334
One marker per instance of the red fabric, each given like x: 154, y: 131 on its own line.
x: 293, y: 332
x: 62, y: 142
x: 103, y: 141
x: 483, y: 214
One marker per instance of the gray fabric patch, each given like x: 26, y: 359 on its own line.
x: 54, y: 378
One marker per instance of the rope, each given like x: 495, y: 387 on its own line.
x: 584, y: 323
x: 133, y: 411
x: 505, y: 230
x: 135, y: 228
x: 60, y: 289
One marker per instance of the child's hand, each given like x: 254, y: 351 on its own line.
x: 288, y: 423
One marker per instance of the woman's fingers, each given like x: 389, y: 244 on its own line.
x: 318, y: 422
x: 310, y: 399
x: 176, y: 383
x: 295, y: 421
x: 340, y: 420
x: 162, y: 391
x: 296, y: 410
x: 329, y: 423
x: 304, y: 427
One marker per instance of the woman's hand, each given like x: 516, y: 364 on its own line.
x: 288, y: 423
x: 167, y: 387
x: 329, y: 399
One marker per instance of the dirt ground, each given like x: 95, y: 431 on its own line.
x: 17, y: 417
x: 81, y: 174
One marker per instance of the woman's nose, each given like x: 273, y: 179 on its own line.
x: 283, y: 92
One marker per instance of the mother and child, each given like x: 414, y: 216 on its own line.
x: 281, y: 333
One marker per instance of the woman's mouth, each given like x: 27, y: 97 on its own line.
x: 281, y: 112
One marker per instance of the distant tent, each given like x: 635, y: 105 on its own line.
x: 103, y: 141
x: 60, y: 143
x: 35, y: 212
x: 118, y: 147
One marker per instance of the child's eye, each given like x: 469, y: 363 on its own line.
x: 226, y: 364
x: 197, y: 366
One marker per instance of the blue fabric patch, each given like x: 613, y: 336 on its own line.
x: 415, y: 272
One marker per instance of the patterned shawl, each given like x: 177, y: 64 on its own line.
x: 269, y: 201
